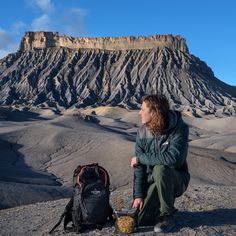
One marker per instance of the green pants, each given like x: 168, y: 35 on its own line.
x: 168, y: 184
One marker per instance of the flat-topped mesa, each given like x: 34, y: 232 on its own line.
x: 40, y: 40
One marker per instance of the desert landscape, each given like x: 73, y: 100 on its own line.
x: 64, y: 105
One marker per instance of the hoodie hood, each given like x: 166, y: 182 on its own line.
x: 174, y: 118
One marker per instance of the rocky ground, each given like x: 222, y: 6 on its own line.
x: 32, y: 166
x: 203, y: 210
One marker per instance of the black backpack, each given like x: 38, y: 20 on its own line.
x: 89, y: 207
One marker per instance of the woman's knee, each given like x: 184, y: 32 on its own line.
x: 160, y: 171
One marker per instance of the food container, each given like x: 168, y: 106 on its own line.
x: 126, y: 220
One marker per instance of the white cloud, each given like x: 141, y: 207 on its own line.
x: 72, y: 21
x: 5, y: 39
x: 68, y: 21
x: 41, y: 23
x: 44, y: 5
x: 11, y: 49
x: 18, y: 26
x: 78, y: 11
x: 7, y: 44
x: 8, y: 40
x: 3, y: 53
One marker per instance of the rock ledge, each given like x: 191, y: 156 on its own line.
x: 39, y: 40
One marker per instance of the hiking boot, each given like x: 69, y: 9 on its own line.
x: 166, y: 224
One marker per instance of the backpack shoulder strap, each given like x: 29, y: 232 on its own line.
x: 76, y: 173
x: 64, y: 214
x: 104, y: 175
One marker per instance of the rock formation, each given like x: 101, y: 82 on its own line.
x: 39, y: 40
x: 61, y: 71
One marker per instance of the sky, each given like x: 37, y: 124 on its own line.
x: 209, y: 26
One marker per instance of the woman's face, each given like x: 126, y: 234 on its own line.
x: 145, y: 114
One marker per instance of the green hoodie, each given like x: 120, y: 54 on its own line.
x: 169, y: 149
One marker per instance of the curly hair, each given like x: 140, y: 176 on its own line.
x: 159, y: 105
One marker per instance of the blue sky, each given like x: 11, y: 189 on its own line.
x: 209, y: 26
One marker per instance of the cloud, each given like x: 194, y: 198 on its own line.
x: 72, y: 21
x: 5, y: 39
x: 12, y: 48
x: 18, y: 26
x: 2, y: 54
x: 50, y: 17
x: 44, y: 5
x: 7, y: 44
x: 41, y: 23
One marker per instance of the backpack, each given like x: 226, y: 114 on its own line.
x: 89, y: 207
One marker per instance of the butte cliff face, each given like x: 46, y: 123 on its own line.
x: 40, y: 40
x: 61, y: 71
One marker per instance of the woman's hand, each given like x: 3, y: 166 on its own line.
x: 138, y: 203
x: 133, y: 162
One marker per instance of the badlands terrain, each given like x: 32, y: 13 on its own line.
x: 68, y: 101
x: 41, y: 148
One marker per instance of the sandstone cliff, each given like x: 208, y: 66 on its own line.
x: 39, y: 40
x: 60, y: 71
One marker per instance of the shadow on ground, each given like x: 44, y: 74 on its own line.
x: 217, y: 217
x: 21, y: 184
x: 8, y: 114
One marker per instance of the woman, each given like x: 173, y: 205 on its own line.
x: 160, y: 167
